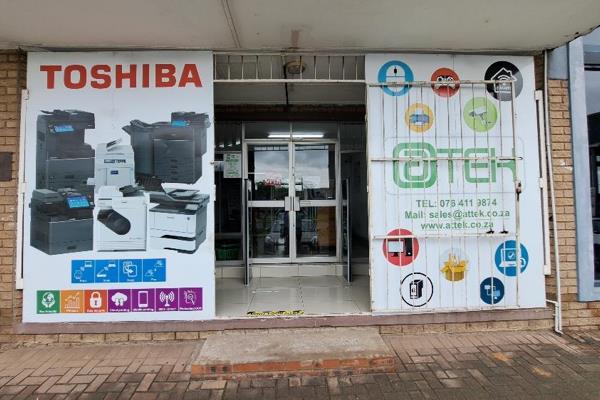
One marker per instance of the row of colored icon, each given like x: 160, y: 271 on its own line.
x: 479, y: 113
x: 119, y: 300
x: 417, y: 290
x: 119, y: 271
x: 404, y: 251
x: 503, y: 80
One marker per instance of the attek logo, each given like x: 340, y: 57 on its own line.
x: 414, y: 172
x: 104, y: 76
x: 418, y: 168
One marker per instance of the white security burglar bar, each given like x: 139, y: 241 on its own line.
x: 450, y: 170
x: 288, y: 67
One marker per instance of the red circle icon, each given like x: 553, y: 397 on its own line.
x: 403, y: 250
x: 445, y: 82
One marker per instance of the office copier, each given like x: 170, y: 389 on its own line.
x: 63, y: 159
x: 178, y: 220
x: 169, y: 152
x: 61, y: 221
x: 120, y: 219
x: 114, y: 165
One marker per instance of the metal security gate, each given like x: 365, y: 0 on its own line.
x: 288, y: 68
x: 445, y: 188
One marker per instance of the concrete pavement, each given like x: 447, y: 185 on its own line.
x: 495, y: 365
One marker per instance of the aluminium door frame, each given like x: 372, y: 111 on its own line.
x: 293, y: 257
x: 266, y: 203
x: 322, y: 203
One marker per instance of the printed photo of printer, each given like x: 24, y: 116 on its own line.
x: 178, y: 220
x: 61, y: 221
x: 63, y: 158
x: 61, y: 205
x: 121, y: 207
x: 120, y: 219
x: 86, y: 199
x: 169, y: 152
x: 114, y: 165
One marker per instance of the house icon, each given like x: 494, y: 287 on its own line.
x: 503, y: 75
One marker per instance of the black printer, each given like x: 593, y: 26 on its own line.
x: 169, y: 152
x: 63, y: 159
x: 61, y: 221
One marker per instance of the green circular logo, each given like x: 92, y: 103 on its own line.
x: 480, y: 114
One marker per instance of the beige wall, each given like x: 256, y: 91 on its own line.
x: 12, y: 80
x: 576, y: 315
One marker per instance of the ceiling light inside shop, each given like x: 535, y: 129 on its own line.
x: 297, y: 135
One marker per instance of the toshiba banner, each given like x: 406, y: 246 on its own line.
x: 118, y: 212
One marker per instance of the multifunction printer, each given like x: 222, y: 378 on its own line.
x: 120, y: 219
x: 63, y: 159
x: 178, y: 220
x: 61, y: 221
x: 169, y: 152
x: 114, y: 165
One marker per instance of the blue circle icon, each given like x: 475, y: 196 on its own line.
x: 491, y: 290
x: 506, y: 258
x: 395, y: 72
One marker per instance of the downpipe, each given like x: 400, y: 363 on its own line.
x: 558, y: 302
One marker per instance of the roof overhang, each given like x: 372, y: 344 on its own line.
x: 332, y: 25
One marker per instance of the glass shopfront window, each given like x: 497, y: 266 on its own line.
x: 592, y: 81
x: 228, y: 208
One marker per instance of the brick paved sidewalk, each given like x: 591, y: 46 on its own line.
x: 495, y: 365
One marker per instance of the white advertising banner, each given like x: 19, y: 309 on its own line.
x: 119, y: 207
x: 455, y: 203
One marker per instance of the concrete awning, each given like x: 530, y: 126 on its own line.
x: 342, y: 25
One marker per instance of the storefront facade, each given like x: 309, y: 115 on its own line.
x: 159, y: 194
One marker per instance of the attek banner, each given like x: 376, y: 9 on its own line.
x: 454, y: 195
x: 118, y: 220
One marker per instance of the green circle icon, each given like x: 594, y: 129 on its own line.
x: 480, y: 114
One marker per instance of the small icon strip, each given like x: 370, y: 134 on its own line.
x: 118, y: 271
x: 119, y: 300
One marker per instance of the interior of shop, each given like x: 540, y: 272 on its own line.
x: 291, y: 219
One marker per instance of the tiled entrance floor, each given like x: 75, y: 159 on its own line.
x: 315, y: 295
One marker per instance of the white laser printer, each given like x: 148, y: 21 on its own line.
x: 114, y: 165
x: 178, y: 221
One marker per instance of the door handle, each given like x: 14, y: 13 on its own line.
x: 291, y: 203
x: 287, y: 203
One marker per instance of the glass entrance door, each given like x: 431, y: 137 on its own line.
x: 268, y: 168
x: 293, y: 201
x: 315, y: 191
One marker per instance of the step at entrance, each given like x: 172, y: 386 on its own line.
x: 274, y: 353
